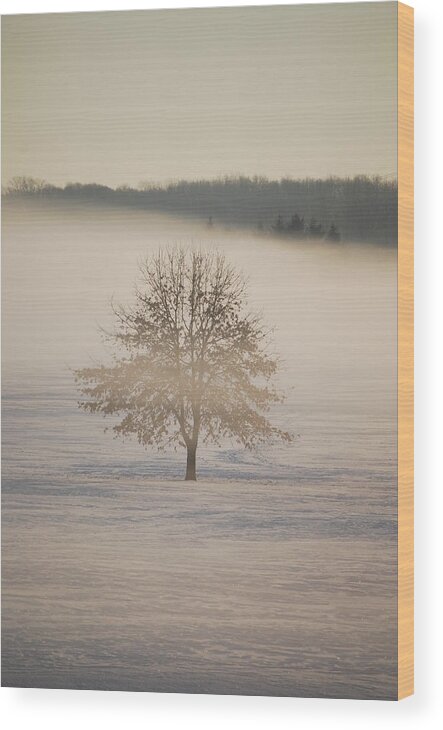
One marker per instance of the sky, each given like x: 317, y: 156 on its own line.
x: 124, y: 97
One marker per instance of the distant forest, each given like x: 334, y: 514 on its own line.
x: 351, y: 209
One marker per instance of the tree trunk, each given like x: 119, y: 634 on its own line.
x: 190, y: 463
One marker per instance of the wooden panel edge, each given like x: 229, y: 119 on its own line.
x: 405, y: 373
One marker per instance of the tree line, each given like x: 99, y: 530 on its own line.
x: 361, y: 208
x: 295, y: 227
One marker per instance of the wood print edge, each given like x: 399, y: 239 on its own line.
x: 405, y: 30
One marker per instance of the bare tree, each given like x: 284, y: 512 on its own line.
x: 190, y: 363
x: 23, y: 185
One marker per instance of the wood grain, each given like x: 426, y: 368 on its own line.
x: 405, y: 350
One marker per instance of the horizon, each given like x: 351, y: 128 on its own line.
x: 227, y: 178
x: 357, y: 208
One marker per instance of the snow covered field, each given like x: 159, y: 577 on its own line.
x: 233, y: 587
x: 275, y: 573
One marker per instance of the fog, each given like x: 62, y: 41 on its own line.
x: 332, y: 309
x: 274, y: 573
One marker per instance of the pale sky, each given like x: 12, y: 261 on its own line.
x: 120, y: 97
